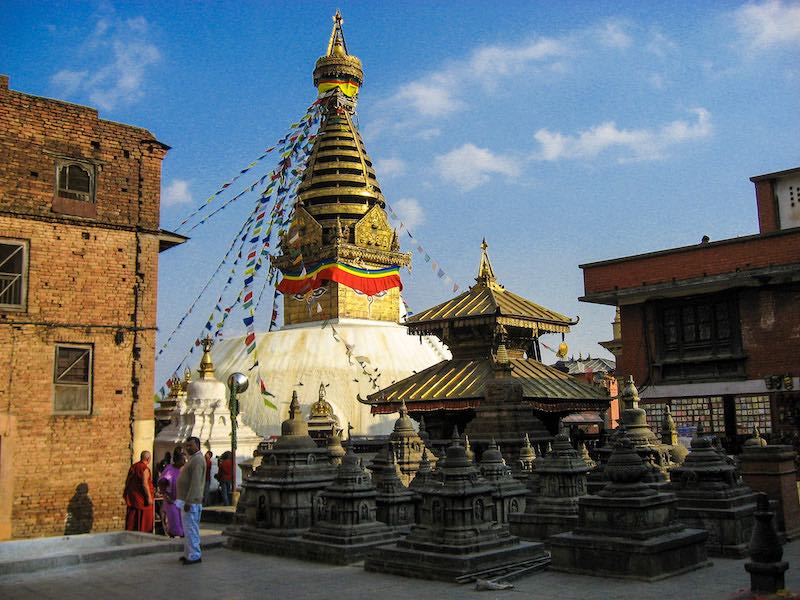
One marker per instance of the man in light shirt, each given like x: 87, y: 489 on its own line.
x: 191, y: 484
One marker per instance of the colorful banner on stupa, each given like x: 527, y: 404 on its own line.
x: 367, y: 281
x: 348, y: 86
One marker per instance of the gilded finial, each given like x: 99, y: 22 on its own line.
x: 337, y: 36
x: 485, y: 270
x: 206, y: 369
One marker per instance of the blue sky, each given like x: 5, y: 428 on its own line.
x: 563, y: 132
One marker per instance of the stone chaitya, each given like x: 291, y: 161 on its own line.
x: 396, y: 503
x: 628, y: 529
x: 348, y: 528
x: 557, y: 483
x: 711, y: 497
x: 633, y: 425
x: 335, y: 448
x: 509, y: 493
x: 407, y: 444
x: 455, y: 534
x: 282, y: 498
x: 523, y: 466
x: 669, y: 437
x: 322, y: 422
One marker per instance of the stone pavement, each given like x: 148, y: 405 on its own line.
x: 229, y: 575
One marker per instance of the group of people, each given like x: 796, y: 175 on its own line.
x: 183, y: 484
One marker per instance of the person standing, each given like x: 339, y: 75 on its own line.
x: 171, y: 518
x: 191, y: 482
x: 140, y: 514
x: 225, y: 477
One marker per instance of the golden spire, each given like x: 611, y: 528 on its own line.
x: 337, y: 36
x: 206, y: 369
x: 485, y: 270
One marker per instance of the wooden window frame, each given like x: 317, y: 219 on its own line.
x: 88, y: 384
x: 23, y: 275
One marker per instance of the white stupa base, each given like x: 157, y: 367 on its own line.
x: 300, y: 357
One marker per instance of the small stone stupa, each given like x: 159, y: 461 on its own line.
x: 348, y: 528
x: 408, y: 446
x: 205, y: 414
x: 552, y: 503
x: 396, y: 503
x: 282, y: 498
x: 669, y: 437
x: 711, y: 497
x: 523, y: 466
x: 322, y: 422
x: 456, y: 534
x: 633, y: 425
x: 509, y: 493
x: 629, y: 529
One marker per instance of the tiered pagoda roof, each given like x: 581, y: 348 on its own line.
x: 475, y: 325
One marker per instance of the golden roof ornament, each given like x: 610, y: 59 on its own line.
x: 206, y: 369
x: 485, y: 271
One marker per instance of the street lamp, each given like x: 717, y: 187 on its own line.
x: 237, y: 382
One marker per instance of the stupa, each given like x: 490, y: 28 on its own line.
x: 348, y: 528
x: 340, y: 263
x: 456, y: 534
x: 204, y: 413
x: 282, y: 498
x: 523, y: 467
x: 495, y: 386
x: 628, y: 530
x: 509, y: 493
x: 407, y: 446
x: 551, y: 506
x: 396, y: 503
x: 711, y: 496
x: 322, y: 422
x: 633, y: 425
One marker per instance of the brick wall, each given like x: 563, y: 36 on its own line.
x: 767, y: 206
x: 90, y: 281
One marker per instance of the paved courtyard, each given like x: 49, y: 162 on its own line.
x: 229, y: 575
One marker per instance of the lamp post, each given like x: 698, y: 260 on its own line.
x: 237, y: 382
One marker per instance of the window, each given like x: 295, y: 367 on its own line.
x: 75, y: 181
x: 72, y: 379
x: 13, y: 274
x: 75, y: 189
x: 698, y: 338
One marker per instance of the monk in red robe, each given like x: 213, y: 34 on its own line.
x: 138, y: 495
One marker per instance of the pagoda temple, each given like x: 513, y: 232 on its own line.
x: 340, y: 263
x: 493, y: 335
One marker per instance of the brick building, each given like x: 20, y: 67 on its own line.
x: 714, y: 329
x: 79, y: 244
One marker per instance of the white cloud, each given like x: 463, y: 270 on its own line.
x: 428, y: 133
x: 177, y: 192
x: 656, y: 80
x: 614, y: 35
x: 442, y: 92
x: 120, y: 55
x: 636, y: 144
x: 389, y: 167
x: 409, y: 211
x: 769, y: 24
x: 660, y: 45
x: 469, y: 166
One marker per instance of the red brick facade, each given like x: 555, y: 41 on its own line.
x: 91, y: 279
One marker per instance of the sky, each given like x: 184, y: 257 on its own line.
x: 562, y: 132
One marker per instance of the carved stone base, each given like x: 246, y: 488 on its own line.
x: 408, y: 561
x: 647, y: 560
x: 538, y: 527
x: 729, y: 522
x: 766, y: 578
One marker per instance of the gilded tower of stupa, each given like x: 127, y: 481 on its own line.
x: 340, y: 264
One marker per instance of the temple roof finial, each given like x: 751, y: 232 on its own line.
x: 337, y: 36
x: 206, y: 369
x: 485, y: 270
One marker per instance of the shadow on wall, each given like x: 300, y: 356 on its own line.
x: 80, y: 512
